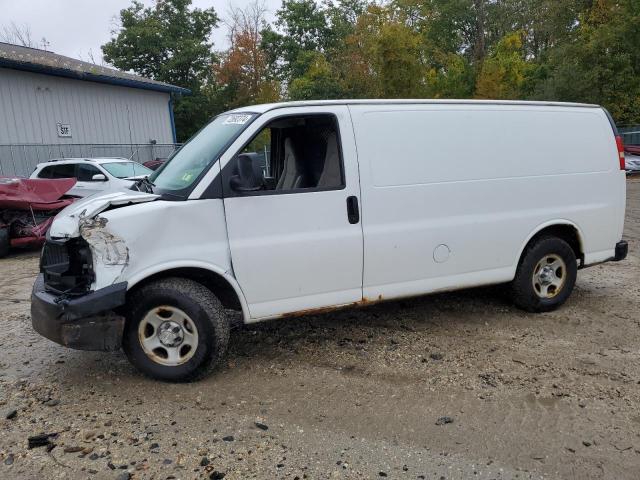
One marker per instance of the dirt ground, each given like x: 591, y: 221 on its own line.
x: 352, y: 394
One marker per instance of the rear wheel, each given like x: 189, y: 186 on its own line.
x: 176, y: 330
x: 546, y: 275
x: 4, y: 241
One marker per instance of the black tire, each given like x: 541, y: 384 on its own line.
x: 5, y: 243
x: 524, y: 293
x: 204, y: 310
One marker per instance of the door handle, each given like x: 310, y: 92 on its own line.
x: 353, y: 212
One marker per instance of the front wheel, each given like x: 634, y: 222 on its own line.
x: 546, y: 275
x: 176, y: 330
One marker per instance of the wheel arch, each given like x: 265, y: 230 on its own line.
x: 563, y: 229
x: 219, y: 282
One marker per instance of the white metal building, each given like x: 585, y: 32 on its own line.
x: 56, y: 106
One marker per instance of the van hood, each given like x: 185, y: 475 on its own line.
x: 67, y: 223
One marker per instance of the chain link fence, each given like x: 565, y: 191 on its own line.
x: 630, y: 135
x: 19, y: 160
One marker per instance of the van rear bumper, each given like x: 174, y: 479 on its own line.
x: 622, y: 250
x: 84, y: 323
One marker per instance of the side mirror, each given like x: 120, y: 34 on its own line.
x: 99, y: 177
x: 246, y: 179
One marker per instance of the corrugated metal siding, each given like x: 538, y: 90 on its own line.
x: 31, y: 105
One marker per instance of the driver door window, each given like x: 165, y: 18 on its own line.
x: 296, y: 153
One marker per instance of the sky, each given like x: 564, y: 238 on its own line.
x: 76, y: 27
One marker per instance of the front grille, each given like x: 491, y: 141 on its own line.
x: 67, y: 267
x: 54, y: 256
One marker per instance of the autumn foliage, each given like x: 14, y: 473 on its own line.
x: 565, y: 50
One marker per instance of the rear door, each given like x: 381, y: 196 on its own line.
x: 296, y: 244
x: 62, y: 170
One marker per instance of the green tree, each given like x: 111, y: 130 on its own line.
x: 601, y: 63
x: 342, y: 17
x: 398, y: 61
x: 452, y: 77
x: 318, y: 81
x: 568, y: 50
x: 307, y: 45
x: 168, y: 42
x: 384, y: 55
x: 301, y: 26
x: 504, y: 72
x: 544, y: 23
x: 450, y: 26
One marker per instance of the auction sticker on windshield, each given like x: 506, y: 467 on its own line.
x: 237, y: 119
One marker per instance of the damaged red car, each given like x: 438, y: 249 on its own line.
x: 27, y: 209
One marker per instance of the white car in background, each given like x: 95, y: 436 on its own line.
x: 632, y: 163
x: 93, y: 175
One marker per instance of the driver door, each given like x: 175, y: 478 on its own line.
x: 293, y: 216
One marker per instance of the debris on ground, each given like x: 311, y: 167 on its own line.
x: 41, y: 440
x: 340, y: 399
x: 444, y: 420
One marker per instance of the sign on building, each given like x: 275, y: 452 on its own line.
x: 64, y: 129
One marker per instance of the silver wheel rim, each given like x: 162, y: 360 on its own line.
x: 168, y: 336
x: 549, y: 276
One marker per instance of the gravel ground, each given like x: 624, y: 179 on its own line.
x: 353, y: 394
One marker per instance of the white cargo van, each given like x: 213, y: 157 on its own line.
x: 283, y: 209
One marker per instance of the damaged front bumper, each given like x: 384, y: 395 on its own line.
x: 84, y: 322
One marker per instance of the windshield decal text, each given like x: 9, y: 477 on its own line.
x: 237, y: 119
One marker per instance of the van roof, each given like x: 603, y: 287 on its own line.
x: 311, y: 103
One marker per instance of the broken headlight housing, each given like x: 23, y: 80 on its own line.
x: 67, y: 267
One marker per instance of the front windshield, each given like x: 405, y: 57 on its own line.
x: 182, y: 170
x: 127, y: 169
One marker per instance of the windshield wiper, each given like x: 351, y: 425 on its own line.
x: 144, y: 185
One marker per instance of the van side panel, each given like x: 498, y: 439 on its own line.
x: 451, y: 193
